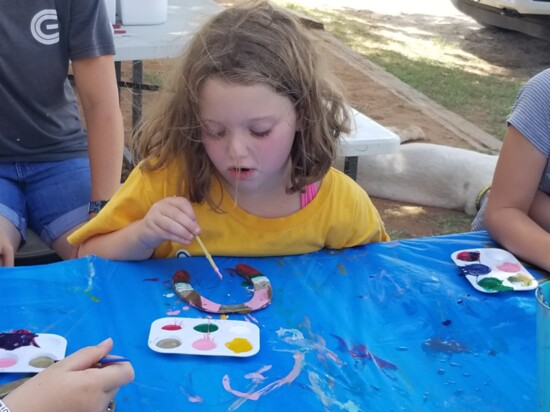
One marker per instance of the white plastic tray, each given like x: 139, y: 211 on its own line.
x: 24, y: 351
x: 492, y: 270
x: 210, y: 337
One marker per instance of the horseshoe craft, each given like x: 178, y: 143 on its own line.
x: 260, y: 299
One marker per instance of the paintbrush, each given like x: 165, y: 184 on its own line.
x: 208, y: 256
x: 106, y: 361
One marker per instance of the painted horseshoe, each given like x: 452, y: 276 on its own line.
x: 260, y: 299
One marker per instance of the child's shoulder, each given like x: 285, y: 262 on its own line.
x: 340, y: 183
x: 150, y: 173
x: 339, y: 177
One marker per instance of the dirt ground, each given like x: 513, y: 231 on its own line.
x: 487, y: 50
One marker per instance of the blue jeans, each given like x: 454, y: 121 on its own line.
x: 479, y: 221
x: 48, y: 197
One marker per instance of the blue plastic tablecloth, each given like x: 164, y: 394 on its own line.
x: 384, y: 327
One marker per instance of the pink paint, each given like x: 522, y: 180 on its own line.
x: 208, y: 305
x: 206, y: 343
x: 191, y: 398
x: 258, y: 375
x: 316, y: 343
x: 195, y: 399
x: 7, y: 362
x: 288, y: 379
x: 258, y: 300
x: 173, y: 312
x: 250, y: 318
x: 509, y: 267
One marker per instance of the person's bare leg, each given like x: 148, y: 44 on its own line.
x: 10, y: 238
x: 65, y: 250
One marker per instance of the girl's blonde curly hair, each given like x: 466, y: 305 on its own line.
x: 254, y: 43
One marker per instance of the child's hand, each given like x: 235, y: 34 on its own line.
x: 75, y: 383
x: 172, y: 219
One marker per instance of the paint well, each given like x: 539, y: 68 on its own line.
x: 42, y: 361
x: 206, y: 343
x: 239, y: 345
x: 206, y: 328
x: 7, y: 362
x: 168, y: 343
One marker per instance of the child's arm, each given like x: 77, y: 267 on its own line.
x: 75, y: 383
x: 170, y: 219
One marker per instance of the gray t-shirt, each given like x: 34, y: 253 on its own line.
x: 531, y: 116
x: 39, y: 114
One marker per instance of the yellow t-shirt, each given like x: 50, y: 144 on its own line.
x: 341, y: 215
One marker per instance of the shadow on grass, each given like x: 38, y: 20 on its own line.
x: 473, y: 71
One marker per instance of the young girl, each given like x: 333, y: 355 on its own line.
x: 239, y: 150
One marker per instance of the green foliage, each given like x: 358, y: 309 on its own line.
x: 431, y: 65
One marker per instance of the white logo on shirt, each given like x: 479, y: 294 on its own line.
x: 182, y: 253
x: 45, y: 27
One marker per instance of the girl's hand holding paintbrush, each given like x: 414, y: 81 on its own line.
x: 170, y: 219
x: 173, y: 219
x: 73, y: 384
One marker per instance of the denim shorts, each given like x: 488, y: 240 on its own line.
x: 48, y: 197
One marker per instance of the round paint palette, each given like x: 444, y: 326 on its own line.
x: 493, y: 270
x: 25, y: 351
x: 211, y: 337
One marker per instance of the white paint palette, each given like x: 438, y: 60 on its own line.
x: 492, y: 270
x: 25, y: 351
x: 210, y: 337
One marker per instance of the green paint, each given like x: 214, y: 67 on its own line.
x: 206, y: 328
x: 92, y: 297
x: 342, y: 269
x: 493, y: 285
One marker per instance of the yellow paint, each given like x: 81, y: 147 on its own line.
x: 521, y: 278
x: 239, y: 345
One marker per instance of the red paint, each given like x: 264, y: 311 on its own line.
x: 174, y: 326
x: 468, y: 256
x: 181, y: 276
